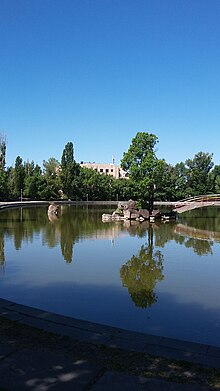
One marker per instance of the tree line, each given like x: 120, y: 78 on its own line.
x: 150, y: 178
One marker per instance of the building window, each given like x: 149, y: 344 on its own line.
x: 101, y: 169
x: 107, y: 170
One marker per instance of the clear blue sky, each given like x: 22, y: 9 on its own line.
x: 95, y: 72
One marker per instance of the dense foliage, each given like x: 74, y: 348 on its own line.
x: 150, y: 178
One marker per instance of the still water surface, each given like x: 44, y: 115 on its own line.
x: 160, y: 278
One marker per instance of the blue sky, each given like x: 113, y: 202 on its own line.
x: 95, y: 72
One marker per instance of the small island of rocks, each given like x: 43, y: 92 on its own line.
x: 128, y: 210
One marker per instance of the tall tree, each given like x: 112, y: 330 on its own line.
x: 3, y: 186
x: 69, y: 171
x: 2, y: 152
x: 68, y: 155
x: 18, y: 177
x: 141, y: 163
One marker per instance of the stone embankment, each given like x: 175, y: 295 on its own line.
x: 18, y: 204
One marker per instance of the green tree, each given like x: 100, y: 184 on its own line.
x: 178, y: 182
x: 214, y: 180
x: 2, y: 152
x: 164, y: 190
x: 141, y: 163
x: 51, y: 174
x: 96, y: 186
x: 69, y: 171
x: 51, y: 167
x: 3, y: 176
x: 68, y: 155
x: 30, y: 189
x: 29, y: 168
x: 32, y: 184
x: 198, y: 173
x: 3, y: 185
x: 18, y: 177
x: 48, y: 189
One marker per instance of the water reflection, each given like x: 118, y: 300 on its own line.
x: 160, y: 278
x: 2, y: 253
x: 76, y: 223
x: 201, y: 241
x: 141, y: 273
x: 70, y: 226
x: 52, y: 217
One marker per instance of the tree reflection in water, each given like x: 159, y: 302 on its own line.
x: 75, y: 223
x: 141, y: 273
x: 2, y: 253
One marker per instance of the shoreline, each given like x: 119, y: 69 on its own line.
x: 110, y: 336
x: 18, y: 204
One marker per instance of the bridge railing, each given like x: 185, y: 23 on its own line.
x: 200, y: 198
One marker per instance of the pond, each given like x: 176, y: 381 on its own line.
x: 158, y: 278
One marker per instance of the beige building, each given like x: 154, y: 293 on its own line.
x: 107, y: 169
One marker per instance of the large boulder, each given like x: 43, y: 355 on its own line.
x: 155, y: 213
x: 127, y: 214
x: 132, y: 204
x: 122, y: 204
x: 129, y: 205
x: 118, y: 211
x: 134, y: 214
x: 106, y: 217
x: 131, y: 214
x: 144, y: 213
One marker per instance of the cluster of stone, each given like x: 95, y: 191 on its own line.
x: 129, y: 211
